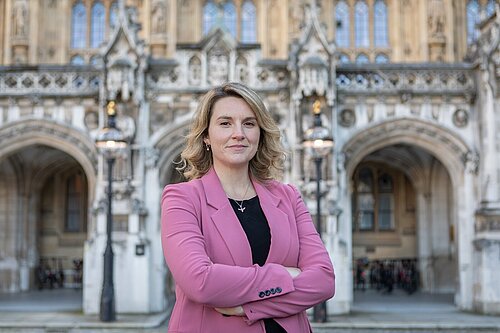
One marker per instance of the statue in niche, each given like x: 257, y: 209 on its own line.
x: 158, y: 19
x: 219, y: 66
x: 19, y: 19
x: 120, y: 80
x: 436, y: 19
x: 194, y: 71
x: 241, y: 70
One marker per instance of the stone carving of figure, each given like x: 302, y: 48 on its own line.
x: 19, y: 19
x: 158, y: 19
x: 194, y: 71
x: 460, y: 118
x: 218, y: 65
x: 436, y: 18
x: 120, y: 80
x: 241, y: 70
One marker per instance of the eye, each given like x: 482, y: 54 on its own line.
x: 250, y: 124
x: 224, y: 123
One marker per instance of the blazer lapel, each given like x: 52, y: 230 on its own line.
x: 279, y: 224
x: 226, y: 221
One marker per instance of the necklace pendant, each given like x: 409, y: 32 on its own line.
x: 241, y: 209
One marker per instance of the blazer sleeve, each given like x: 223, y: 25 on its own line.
x: 202, y: 281
x: 316, y: 282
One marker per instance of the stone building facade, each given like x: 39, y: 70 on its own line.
x: 408, y: 88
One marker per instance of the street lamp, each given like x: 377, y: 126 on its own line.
x: 111, y: 143
x: 318, y: 141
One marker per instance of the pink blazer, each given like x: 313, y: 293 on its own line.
x: 209, y: 256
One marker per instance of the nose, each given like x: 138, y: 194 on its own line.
x: 238, y: 133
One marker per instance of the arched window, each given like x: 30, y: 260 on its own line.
x: 362, y: 59
x: 365, y: 200
x: 96, y: 60
x: 209, y: 16
x: 361, y: 31
x: 229, y: 17
x: 490, y: 8
x: 77, y: 60
x: 381, y: 59
x: 472, y: 20
x: 78, y: 26
x: 344, y: 58
x: 113, y: 14
x: 380, y: 24
x: 248, y: 22
x: 97, y: 25
x: 385, y: 202
x: 342, y: 24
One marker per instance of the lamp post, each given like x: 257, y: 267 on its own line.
x: 111, y: 143
x: 318, y: 141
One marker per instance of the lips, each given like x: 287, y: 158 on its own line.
x: 237, y: 147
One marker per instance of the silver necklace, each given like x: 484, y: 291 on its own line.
x: 240, y: 204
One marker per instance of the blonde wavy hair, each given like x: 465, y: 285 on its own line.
x: 268, y: 162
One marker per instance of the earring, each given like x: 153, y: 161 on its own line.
x: 208, y: 146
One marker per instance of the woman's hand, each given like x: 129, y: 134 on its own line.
x: 234, y: 311
x: 293, y: 271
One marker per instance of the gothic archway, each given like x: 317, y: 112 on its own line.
x: 439, y: 167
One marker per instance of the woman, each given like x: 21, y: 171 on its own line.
x: 241, y: 246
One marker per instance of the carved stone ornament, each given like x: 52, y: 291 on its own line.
x: 460, y: 118
x: 471, y: 162
x: 347, y: 118
x: 138, y: 207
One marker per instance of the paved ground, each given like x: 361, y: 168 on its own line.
x: 59, y: 311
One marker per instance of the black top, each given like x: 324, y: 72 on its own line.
x: 254, y: 223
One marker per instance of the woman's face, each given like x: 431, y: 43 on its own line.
x: 233, y: 133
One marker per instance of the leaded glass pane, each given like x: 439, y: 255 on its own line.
x: 365, y: 180
x: 362, y: 59
x: 342, y: 24
x: 365, y: 211
x: 73, y: 204
x: 381, y: 59
x: 344, y: 58
x: 248, y: 22
x: 78, y: 26
x: 230, y: 20
x: 361, y: 32
x: 472, y: 20
x: 209, y: 16
x: 490, y: 8
x: 385, y: 209
x: 77, y: 60
x: 113, y: 14
x: 385, y: 183
x: 380, y: 24
x: 97, y: 25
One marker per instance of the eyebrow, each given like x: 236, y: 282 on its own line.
x: 229, y: 118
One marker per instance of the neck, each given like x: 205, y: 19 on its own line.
x: 235, y: 182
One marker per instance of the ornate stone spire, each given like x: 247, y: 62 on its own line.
x: 312, y: 61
